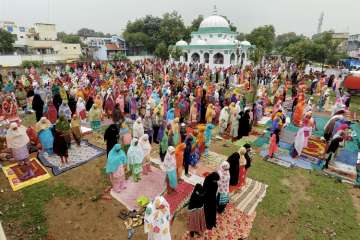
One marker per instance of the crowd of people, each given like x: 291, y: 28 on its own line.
x: 175, y: 106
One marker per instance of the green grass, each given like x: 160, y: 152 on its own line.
x: 29, y: 210
x: 330, y: 213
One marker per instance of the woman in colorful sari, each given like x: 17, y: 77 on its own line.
x: 223, y: 190
x: 76, y: 129
x: 135, y: 157
x: 196, y: 219
x: 299, y: 110
x: 157, y: 220
x: 164, y: 145
x: 176, y: 131
x: 43, y: 128
x: 63, y: 127
x: 16, y: 141
x: 95, y: 115
x: 193, y: 114
x: 116, y: 167
x: 170, y: 169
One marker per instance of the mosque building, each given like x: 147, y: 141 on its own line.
x: 214, y: 44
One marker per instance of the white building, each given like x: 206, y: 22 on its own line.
x: 38, y: 43
x: 104, y: 48
x: 354, y: 46
x: 214, y: 44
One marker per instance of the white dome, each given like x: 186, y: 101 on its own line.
x: 214, y: 21
x: 245, y: 43
x: 181, y: 43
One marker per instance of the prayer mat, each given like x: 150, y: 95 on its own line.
x: 243, y: 140
x: 178, y: 199
x: 287, y: 136
x: 150, y: 186
x: 291, y: 127
x: 264, y: 120
x: 77, y: 156
x: 231, y: 224
x: 212, y: 160
x: 315, y: 148
x: 193, y: 179
x: 13, y: 172
x: 260, y: 141
x: 201, y: 170
x: 2, y: 233
x: 250, y: 195
x: 282, y: 158
x: 335, y: 171
x: 347, y: 157
x: 86, y: 130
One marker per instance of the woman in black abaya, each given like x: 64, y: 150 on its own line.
x: 210, y: 189
x: 111, y: 137
x: 244, y: 124
x: 234, y: 161
x: 38, y: 106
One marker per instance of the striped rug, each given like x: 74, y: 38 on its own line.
x: 249, y: 197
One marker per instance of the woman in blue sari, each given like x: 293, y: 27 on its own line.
x: 43, y: 129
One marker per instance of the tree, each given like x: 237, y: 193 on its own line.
x: 172, y: 28
x: 282, y: 41
x: 195, y: 24
x: 301, y: 51
x: 263, y: 37
x: 6, y: 42
x: 231, y: 25
x: 86, y: 32
x: 71, y: 39
x: 175, y: 52
x: 241, y: 37
x: 161, y: 51
x: 119, y: 56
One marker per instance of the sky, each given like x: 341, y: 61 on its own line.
x: 111, y: 16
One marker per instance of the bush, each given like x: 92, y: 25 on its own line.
x: 29, y: 64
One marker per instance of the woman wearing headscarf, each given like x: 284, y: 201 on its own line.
x: 60, y: 141
x: 65, y: 111
x: 187, y: 155
x: 115, y: 167
x: 95, y: 115
x: 223, y: 120
x: 43, y: 129
x: 16, y: 141
x: 80, y: 109
x: 196, y: 218
x: 135, y: 157
x: 234, y: 162
x: 170, y: 169
x: 148, y: 127
x: 210, y: 188
x: 242, y: 171
x: 164, y: 145
x: 138, y: 128
x: 51, y: 112
x: 223, y: 190
x: 63, y: 126
x: 179, y: 155
x: 274, y: 141
x: 111, y: 137
x: 146, y: 147
x: 244, y: 124
x: 38, y: 106
x: 76, y: 129
x: 157, y: 219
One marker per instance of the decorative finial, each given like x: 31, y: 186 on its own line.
x: 215, y: 10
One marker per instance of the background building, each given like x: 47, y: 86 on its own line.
x: 354, y: 46
x: 214, y: 44
x: 104, y: 48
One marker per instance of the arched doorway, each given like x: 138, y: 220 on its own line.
x: 206, y: 57
x: 232, y: 59
x: 195, y: 57
x: 219, y: 58
x: 185, y: 55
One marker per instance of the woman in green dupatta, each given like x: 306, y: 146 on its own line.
x: 164, y: 145
x: 63, y: 127
x: 95, y: 117
x: 135, y: 157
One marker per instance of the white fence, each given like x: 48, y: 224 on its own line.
x: 16, y: 60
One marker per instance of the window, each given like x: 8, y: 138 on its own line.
x: 65, y: 47
x: 74, y: 47
x: 219, y: 35
x: 21, y: 36
x: 218, y: 58
x: 211, y: 35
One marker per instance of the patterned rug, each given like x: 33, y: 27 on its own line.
x: 150, y: 186
x: 77, y: 156
x: 247, y: 199
x: 315, y: 148
x: 244, y: 140
x: 213, y: 160
x: 230, y: 225
x: 179, y: 199
x: 13, y: 173
x: 282, y: 158
x: 347, y: 157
